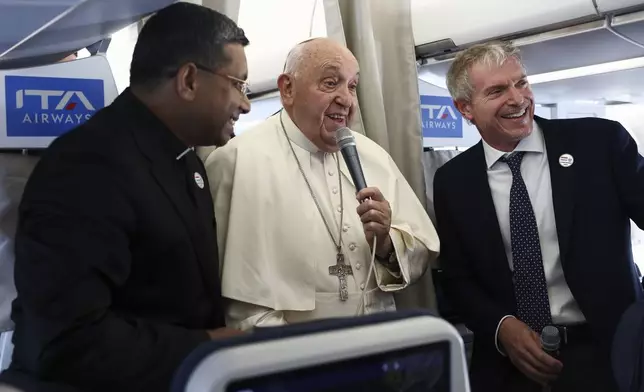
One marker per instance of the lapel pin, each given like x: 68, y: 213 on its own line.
x: 199, y: 180
x: 566, y: 160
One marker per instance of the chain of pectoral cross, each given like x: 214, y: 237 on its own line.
x: 340, y: 269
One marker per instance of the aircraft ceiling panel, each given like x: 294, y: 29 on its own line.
x: 90, y: 22
x: 589, y: 48
x: 625, y: 85
x: 18, y: 18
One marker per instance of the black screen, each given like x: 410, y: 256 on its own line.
x: 424, y: 368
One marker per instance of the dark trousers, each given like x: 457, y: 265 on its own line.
x: 584, y: 370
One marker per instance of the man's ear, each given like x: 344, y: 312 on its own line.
x: 465, y: 107
x: 186, y: 82
x: 285, y: 85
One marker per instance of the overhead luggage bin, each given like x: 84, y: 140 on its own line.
x: 568, y: 45
x: 442, y: 27
x: 36, y: 32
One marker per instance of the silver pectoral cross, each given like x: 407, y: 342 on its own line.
x: 341, y: 270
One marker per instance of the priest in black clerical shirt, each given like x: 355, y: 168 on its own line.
x: 116, y: 255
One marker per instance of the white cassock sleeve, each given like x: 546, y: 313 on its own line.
x: 412, y: 234
x: 240, y: 315
x: 245, y: 316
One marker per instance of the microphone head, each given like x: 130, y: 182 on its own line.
x: 550, y: 338
x: 344, y: 138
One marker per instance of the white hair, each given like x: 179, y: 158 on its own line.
x: 295, y: 57
x: 458, y: 78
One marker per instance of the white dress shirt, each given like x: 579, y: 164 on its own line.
x: 536, y: 175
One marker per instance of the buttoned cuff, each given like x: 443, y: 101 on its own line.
x: 496, y: 335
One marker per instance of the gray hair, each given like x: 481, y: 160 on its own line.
x: 493, y: 53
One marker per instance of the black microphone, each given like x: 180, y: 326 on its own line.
x: 347, y: 143
x: 550, y: 340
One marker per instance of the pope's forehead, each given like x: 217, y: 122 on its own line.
x: 328, y: 55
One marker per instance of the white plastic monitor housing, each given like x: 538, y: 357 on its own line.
x: 38, y: 101
x: 221, y: 368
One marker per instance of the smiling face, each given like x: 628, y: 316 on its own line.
x: 210, y: 100
x: 501, y: 104
x: 319, y: 92
x: 222, y: 99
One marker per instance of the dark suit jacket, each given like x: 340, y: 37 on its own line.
x: 116, y: 260
x: 627, y: 354
x: 593, y: 201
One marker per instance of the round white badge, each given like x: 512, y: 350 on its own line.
x: 566, y: 160
x: 199, y: 180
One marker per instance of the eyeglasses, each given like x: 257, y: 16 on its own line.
x: 241, y: 85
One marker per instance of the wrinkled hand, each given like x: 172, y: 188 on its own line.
x: 223, y: 333
x: 375, y: 214
x: 523, y: 347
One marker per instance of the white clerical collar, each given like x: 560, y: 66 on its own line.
x: 533, y: 143
x: 296, y: 135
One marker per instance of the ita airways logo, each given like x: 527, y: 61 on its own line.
x: 440, y: 118
x: 49, y: 107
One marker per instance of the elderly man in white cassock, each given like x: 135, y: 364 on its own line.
x: 294, y: 237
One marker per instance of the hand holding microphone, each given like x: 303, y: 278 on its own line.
x: 523, y: 346
x: 550, y: 341
x: 374, y: 210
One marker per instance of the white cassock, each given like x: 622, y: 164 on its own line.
x: 274, y: 248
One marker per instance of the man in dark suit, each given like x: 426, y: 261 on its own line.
x: 116, y: 260
x: 535, y: 230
